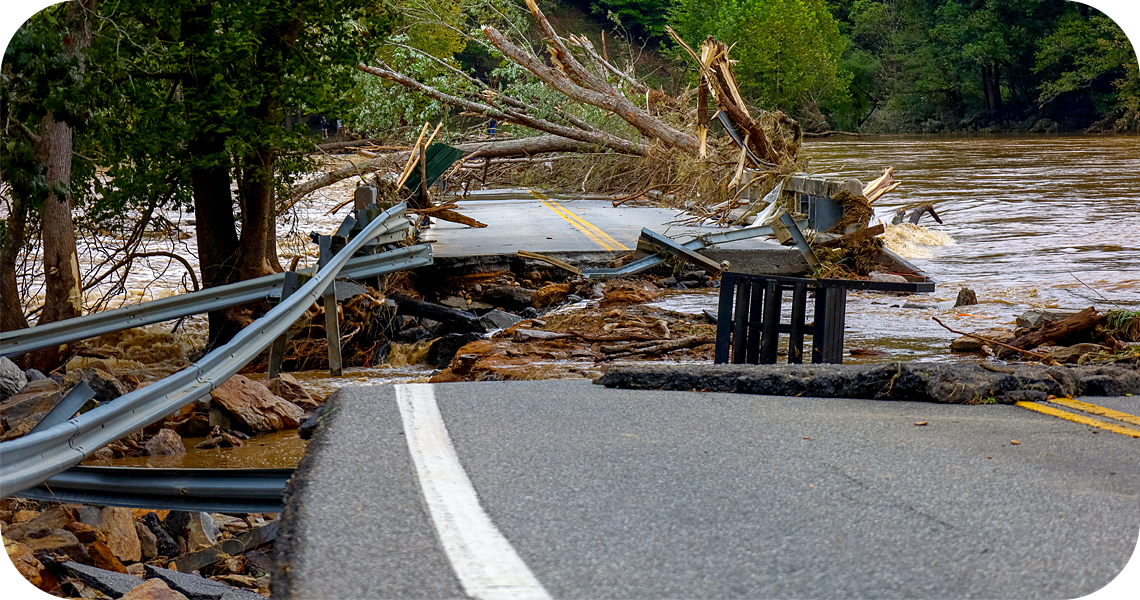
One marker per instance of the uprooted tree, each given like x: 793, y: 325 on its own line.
x: 667, y: 138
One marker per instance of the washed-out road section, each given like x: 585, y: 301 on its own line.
x: 586, y: 231
x: 604, y: 493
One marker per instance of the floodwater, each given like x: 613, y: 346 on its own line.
x: 1045, y: 221
x: 1028, y: 222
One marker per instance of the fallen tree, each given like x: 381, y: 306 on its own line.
x: 490, y: 149
x: 665, y: 140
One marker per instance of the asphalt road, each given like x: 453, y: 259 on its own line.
x: 602, y: 493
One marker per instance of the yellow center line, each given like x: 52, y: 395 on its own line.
x: 1093, y: 409
x: 1055, y: 412
x: 590, y: 230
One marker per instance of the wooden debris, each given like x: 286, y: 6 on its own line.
x: 1082, y: 321
x: 885, y: 183
x: 412, y: 158
x: 866, y: 232
x: 654, y: 346
x: 551, y: 261
x: 1041, y: 357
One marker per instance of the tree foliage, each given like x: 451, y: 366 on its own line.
x: 788, y: 50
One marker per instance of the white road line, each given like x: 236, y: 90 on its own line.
x: 484, y: 561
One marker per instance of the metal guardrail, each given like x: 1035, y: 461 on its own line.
x: 14, y: 343
x: 211, y: 490
x: 29, y: 460
x: 700, y: 243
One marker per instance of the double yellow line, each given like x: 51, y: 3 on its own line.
x: 588, y: 229
x: 1091, y: 409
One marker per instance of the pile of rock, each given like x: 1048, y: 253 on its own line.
x: 82, y: 551
x: 233, y: 412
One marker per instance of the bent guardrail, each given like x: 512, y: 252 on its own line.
x: 14, y: 343
x: 211, y: 490
x: 29, y: 460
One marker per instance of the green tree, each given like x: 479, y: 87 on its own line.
x: 788, y: 50
x: 1090, y: 57
x: 203, y: 88
x: 43, y: 79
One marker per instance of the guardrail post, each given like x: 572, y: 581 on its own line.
x: 277, y: 350
x: 74, y: 400
x: 363, y: 196
x: 332, y: 322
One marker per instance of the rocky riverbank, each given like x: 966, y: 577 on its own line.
x: 80, y: 551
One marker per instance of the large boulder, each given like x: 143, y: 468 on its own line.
x: 286, y: 387
x: 104, y: 558
x: 57, y: 545
x: 106, y: 386
x: 498, y: 319
x: 153, y: 589
x: 509, y: 297
x: 21, y: 412
x: 56, y: 517
x: 148, y: 542
x: 165, y: 443
x: 201, y: 532
x: 25, y: 561
x: 1036, y: 318
x: 117, y: 525
x: 444, y: 349
x: 972, y: 344
x: 12, y: 378
x: 252, y: 404
x: 166, y: 544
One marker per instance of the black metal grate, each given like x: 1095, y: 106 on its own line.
x: 748, y: 320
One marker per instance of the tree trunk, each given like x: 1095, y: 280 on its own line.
x: 210, y: 174
x: 11, y: 310
x: 518, y: 147
x: 217, y: 237
x: 63, y: 294
x: 257, y: 222
x: 991, y: 88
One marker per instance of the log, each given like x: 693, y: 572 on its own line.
x: 342, y: 145
x: 496, y: 149
x: 454, y: 217
x: 664, y: 346
x: 866, y: 232
x: 885, y: 183
x: 1082, y: 321
x: 577, y: 83
x: 593, y: 136
x: 459, y: 321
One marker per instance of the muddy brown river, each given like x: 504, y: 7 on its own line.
x: 1028, y: 222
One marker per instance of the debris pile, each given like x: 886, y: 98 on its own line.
x: 1058, y: 336
x: 663, y: 145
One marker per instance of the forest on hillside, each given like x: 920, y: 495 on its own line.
x: 918, y: 66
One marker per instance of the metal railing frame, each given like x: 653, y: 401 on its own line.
x: 33, y: 458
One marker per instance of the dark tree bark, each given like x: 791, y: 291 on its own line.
x: 209, y: 175
x: 63, y: 295
x: 11, y: 310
